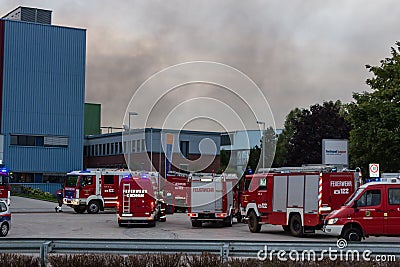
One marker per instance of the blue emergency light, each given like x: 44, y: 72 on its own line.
x: 373, y: 180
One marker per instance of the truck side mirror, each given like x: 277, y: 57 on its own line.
x: 355, y: 205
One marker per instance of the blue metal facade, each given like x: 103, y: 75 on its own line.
x: 43, y: 90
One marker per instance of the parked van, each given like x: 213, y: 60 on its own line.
x: 373, y: 210
x: 5, y: 218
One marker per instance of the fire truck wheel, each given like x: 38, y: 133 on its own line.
x: 228, y: 221
x: 239, y: 217
x: 93, y: 207
x: 196, y: 224
x: 286, y: 228
x: 169, y: 209
x: 4, y: 229
x: 296, y: 228
x: 80, y: 210
x: 352, y: 234
x: 254, y: 226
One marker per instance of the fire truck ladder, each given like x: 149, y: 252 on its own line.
x: 326, y: 168
x: 126, y: 203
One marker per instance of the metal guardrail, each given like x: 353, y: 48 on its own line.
x: 224, y: 248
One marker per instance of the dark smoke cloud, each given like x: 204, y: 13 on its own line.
x: 298, y: 52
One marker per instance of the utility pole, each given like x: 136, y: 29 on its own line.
x: 131, y: 113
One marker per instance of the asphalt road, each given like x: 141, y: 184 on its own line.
x: 38, y: 219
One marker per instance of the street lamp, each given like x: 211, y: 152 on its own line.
x: 151, y: 150
x: 131, y: 113
x: 262, y: 143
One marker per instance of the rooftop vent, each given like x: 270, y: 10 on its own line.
x: 30, y: 14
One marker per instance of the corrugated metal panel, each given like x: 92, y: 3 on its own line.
x: 43, y: 94
x: 1, y: 69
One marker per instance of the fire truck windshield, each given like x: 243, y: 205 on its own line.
x: 3, y: 180
x: 353, y: 196
x: 71, y: 181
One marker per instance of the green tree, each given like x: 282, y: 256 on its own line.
x: 285, y: 136
x: 270, y: 146
x: 224, y: 157
x: 375, y: 117
x: 310, y: 127
x: 254, y: 158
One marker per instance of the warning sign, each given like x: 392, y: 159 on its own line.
x: 373, y: 170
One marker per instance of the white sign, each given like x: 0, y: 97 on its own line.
x: 335, y: 152
x: 373, y: 170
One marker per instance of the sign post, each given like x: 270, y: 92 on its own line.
x: 374, y: 170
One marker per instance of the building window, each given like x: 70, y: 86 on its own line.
x: 120, y: 148
x: 184, y: 147
x: 55, y: 141
x: 144, y: 145
x: 14, y: 140
x: 38, y: 140
x: 226, y: 139
x: 133, y: 146
x: 112, y: 149
x: 125, y: 148
x: 138, y: 146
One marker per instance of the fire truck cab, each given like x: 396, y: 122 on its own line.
x: 298, y: 198
x: 4, y: 185
x: 5, y: 218
x: 94, y: 190
x: 373, y: 210
x: 138, y: 201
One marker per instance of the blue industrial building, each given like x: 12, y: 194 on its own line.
x: 42, y: 90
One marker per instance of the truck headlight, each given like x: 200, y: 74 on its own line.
x: 332, y: 221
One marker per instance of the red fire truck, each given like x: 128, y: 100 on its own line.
x: 94, y: 190
x: 138, y: 202
x: 211, y: 198
x: 4, y: 185
x: 176, y: 190
x: 373, y: 210
x: 297, y: 198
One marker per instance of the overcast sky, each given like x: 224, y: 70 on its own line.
x: 298, y: 52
